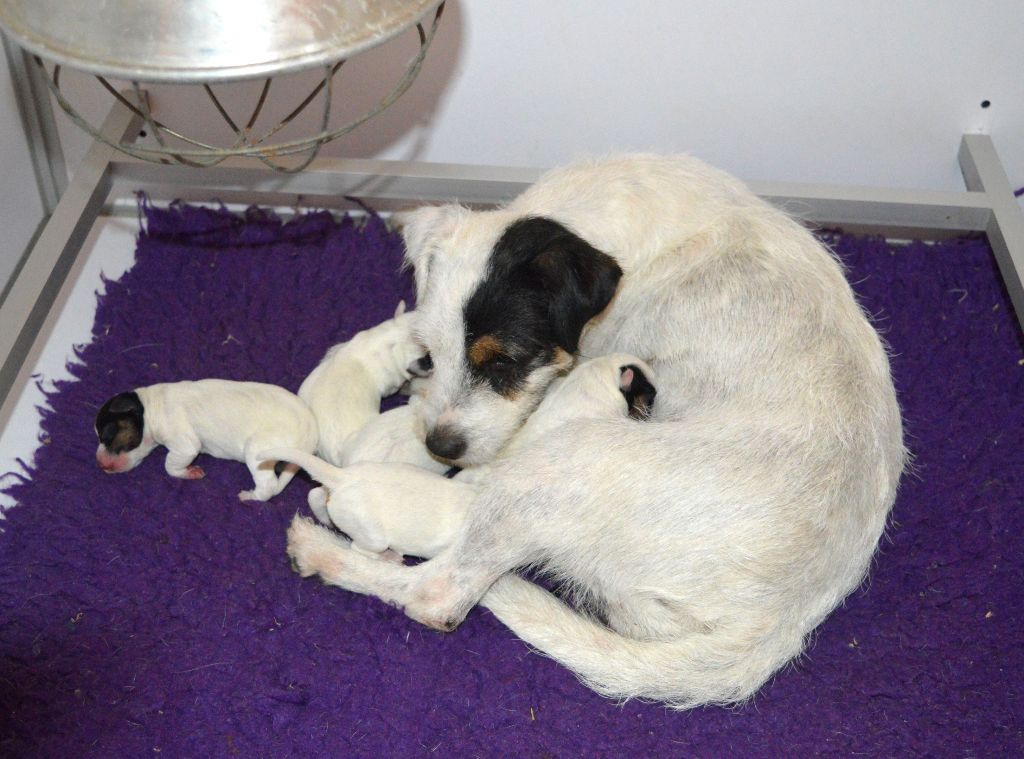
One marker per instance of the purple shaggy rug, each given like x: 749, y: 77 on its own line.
x: 142, y: 616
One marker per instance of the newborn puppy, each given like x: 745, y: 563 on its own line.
x: 397, y: 436
x: 228, y: 420
x: 401, y: 509
x: 345, y: 389
x: 617, y: 384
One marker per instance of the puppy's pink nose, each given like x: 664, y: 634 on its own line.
x: 446, y: 442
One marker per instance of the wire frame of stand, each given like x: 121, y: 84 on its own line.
x: 248, y: 144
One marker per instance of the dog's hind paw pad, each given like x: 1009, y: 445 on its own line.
x: 313, y: 549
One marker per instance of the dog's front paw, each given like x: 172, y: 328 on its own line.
x: 314, y: 549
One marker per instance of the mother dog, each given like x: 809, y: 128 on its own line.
x: 701, y: 546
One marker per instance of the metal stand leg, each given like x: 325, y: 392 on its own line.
x: 40, y: 127
x: 31, y: 305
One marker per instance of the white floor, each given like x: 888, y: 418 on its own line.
x: 109, y: 251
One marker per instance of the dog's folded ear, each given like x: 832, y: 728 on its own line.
x: 579, y: 279
x: 421, y: 229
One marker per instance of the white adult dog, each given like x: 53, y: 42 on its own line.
x: 714, y: 537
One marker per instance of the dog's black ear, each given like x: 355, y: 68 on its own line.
x: 578, y: 279
x: 638, y: 390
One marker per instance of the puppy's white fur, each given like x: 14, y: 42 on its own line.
x: 345, y: 389
x: 225, y: 419
x: 395, y: 436
x: 407, y: 510
x: 748, y: 507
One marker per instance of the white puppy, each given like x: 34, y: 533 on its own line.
x: 226, y: 419
x: 395, y: 436
x: 345, y: 389
x: 608, y: 387
x: 713, y: 539
x: 395, y: 509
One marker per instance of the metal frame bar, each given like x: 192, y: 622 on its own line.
x: 983, y: 173
x: 39, y: 125
x: 41, y: 286
x: 108, y: 181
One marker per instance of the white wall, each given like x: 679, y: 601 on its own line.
x: 21, y: 209
x: 875, y: 92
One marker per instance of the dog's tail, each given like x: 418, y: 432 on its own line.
x: 315, y: 466
x: 698, y: 668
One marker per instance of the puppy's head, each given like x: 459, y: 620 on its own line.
x: 613, y: 385
x: 502, y: 304
x: 120, y: 427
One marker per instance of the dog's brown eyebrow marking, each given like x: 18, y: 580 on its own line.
x: 484, y: 348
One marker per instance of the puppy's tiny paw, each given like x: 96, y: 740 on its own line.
x: 317, y: 500
x: 249, y: 495
x: 391, y: 555
x: 193, y: 472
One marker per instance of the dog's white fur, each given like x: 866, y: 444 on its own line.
x: 225, y: 419
x: 399, y: 508
x: 747, y: 509
x: 345, y: 388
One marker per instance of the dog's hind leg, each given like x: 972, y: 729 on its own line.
x: 435, y: 593
x: 441, y: 591
x: 438, y: 593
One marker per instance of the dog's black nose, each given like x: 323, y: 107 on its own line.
x: 446, y: 443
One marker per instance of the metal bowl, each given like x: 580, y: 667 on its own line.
x: 190, y: 41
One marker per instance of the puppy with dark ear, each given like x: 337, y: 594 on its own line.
x: 228, y: 420
x: 615, y: 386
x: 638, y: 391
